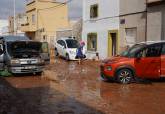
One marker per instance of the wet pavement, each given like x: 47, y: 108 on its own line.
x: 69, y: 88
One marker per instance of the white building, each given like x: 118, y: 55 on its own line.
x: 99, y: 18
x: 109, y: 26
x: 4, y: 27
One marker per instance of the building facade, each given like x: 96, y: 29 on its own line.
x: 74, y: 31
x: 132, y: 22
x: 111, y: 26
x: 77, y: 30
x: 100, y: 20
x: 156, y: 20
x: 61, y: 33
x: 4, y: 27
x: 16, y: 29
x: 43, y: 18
x: 11, y: 25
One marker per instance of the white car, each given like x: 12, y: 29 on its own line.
x: 67, y: 48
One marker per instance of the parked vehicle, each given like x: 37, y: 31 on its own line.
x: 144, y: 60
x: 66, y: 47
x: 20, y: 55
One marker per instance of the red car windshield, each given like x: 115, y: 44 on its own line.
x: 132, y: 51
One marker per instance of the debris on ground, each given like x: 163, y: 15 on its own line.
x: 5, y: 73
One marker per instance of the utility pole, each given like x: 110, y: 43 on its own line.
x: 14, y: 18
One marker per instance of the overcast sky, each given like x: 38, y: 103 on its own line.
x: 6, y: 8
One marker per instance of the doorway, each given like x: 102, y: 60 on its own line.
x: 112, y: 43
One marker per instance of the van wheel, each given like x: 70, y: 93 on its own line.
x: 67, y: 57
x: 124, y: 76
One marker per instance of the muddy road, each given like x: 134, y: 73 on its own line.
x: 69, y: 88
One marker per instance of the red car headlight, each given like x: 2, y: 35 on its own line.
x: 108, y: 68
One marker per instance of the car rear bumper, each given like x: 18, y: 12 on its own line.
x: 26, y: 69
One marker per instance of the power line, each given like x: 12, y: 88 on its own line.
x: 59, y: 5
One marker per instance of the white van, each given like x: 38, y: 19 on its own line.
x: 67, y: 48
x: 19, y: 55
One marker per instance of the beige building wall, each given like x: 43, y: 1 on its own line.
x: 132, y: 16
x: 132, y: 6
x: 156, y: 23
x: 136, y: 21
x: 52, y: 19
x: 44, y: 18
x: 19, y: 19
x: 64, y: 33
x: 75, y: 30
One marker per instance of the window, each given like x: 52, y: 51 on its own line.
x: 92, y: 42
x: 133, y: 50
x: 59, y: 42
x: 94, y: 11
x: 151, y: 51
x: 45, y: 47
x: 33, y: 18
x: 72, y: 43
x: 142, y: 53
x: 131, y: 34
x: 63, y: 43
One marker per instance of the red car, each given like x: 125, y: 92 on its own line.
x: 144, y: 60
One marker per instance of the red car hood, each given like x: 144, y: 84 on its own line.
x: 115, y: 59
